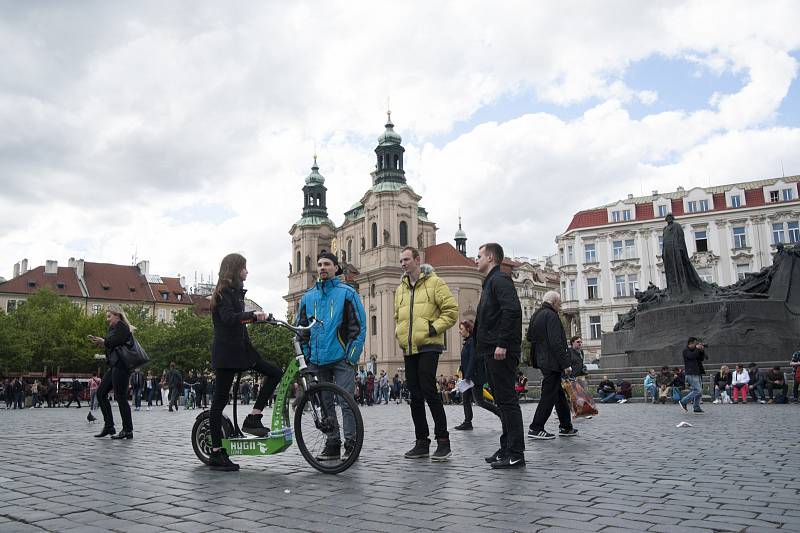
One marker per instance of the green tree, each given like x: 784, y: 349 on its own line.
x: 273, y: 343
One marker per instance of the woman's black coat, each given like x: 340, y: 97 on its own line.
x: 231, y: 348
x: 117, y: 335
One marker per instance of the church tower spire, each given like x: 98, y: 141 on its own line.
x: 389, y: 152
x: 314, y: 193
x: 461, y: 239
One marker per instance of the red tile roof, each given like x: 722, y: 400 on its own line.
x: 64, y: 275
x: 445, y: 254
x: 753, y: 194
x: 172, y: 287
x: 106, y: 281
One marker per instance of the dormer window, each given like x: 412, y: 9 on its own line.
x: 179, y: 297
x: 788, y: 195
x: 736, y: 200
x: 165, y: 296
x: 60, y: 284
x: 31, y: 284
x: 774, y: 196
x: 106, y: 285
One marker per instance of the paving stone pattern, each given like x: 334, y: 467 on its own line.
x: 630, y: 469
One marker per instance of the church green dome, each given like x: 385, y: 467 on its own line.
x: 389, y: 136
x: 315, y: 178
x: 460, y: 234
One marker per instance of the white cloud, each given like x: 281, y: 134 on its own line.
x: 115, y: 118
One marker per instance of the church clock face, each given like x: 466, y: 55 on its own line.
x: 334, y: 246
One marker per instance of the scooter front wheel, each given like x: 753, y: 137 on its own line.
x: 328, y: 428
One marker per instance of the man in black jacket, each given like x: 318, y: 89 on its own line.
x: 498, y: 340
x: 693, y: 357
x: 549, y: 354
x: 175, y: 383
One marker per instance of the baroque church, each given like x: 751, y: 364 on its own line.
x: 386, y: 218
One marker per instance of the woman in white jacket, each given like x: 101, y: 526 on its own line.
x: 740, y: 380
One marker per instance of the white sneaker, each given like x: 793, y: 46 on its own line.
x: 762, y: 401
x: 624, y: 400
x: 716, y: 402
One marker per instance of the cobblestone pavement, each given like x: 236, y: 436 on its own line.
x: 630, y: 469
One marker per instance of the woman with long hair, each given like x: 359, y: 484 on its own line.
x: 116, y: 375
x: 473, y: 368
x: 232, y: 352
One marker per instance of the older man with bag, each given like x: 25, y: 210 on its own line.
x: 550, y: 355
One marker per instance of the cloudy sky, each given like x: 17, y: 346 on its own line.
x: 181, y: 131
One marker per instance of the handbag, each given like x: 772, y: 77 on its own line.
x: 131, y: 354
x: 580, y: 401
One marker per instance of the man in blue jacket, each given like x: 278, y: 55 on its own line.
x: 334, y: 345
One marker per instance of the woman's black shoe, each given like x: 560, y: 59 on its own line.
x: 123, y: 435
x: 106, y: 431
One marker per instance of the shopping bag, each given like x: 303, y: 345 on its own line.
x: 580, y: 401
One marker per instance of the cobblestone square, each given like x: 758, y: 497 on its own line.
x: 630, y: 469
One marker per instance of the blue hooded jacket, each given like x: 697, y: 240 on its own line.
x: 343, y: 329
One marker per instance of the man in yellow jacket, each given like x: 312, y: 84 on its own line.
x: 424, y: 309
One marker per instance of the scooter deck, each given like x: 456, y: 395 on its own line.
x: 277, y: 442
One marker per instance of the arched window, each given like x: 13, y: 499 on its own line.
x: 350, y: 248
x: 374, y: 234
x: 344, y: 256
x: 396, y: 162
x: 372, y: 290
x: 403, y: 233
x: 297, y: 263
x: 374, y: 325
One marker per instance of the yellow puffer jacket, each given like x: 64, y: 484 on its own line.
x: 433, y: 305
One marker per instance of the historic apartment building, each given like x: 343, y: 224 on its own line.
x: 608, y: 253
x: 95, y: 286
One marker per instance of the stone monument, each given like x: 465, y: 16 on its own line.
x: 755, y: 319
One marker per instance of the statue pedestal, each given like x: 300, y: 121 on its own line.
x: 734, y: 331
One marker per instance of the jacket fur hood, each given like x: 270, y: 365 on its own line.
x: 425, y: 270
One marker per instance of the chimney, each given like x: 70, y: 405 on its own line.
x: 630, y: 197
x: 51, y: 267
x: 144, y: 267
x: 16, y: 269
x: 71, y: 262
x: 23, y: 267
x: 79, y: 268
x: 183, y: 281
x: 655, y: 192
x: 680, y: 188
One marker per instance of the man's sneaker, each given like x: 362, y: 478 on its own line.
x: 716, y: 402
x: 509, y: 462
x: 540, y: 435
x: 496, y: 456
x: 464, y: 426
x: 442, y: 452
x: 771, y: 400
x: 421, y: 449
x: 567, y: 432
x: 252, y: 424
x: 331, y: 452
x: 349, y: 446
x: 762, y: 401
x: 698, y: 411
x: 624, y: 400
x: 683, y: 406
x: 220, y: 461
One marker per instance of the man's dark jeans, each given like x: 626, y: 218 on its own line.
x: 552, y: 395
x: 421, y: 381
x: 502, y: 378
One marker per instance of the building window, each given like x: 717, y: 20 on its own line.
x: 706, y: 274
x: 703, y: 205
x: 11, y: 306
x: 619, y: 282
x: 742, y: 270
x: 739, y: 238
x: 403, y: 233
x: 96, y: 308
x: 561, y: 255
x: 615, y: 216
x: 591, y: 289
x: 179, y: 297
x: 374, y: 235
x: 590, y: 253
x: 350, y: 249
x: 633, y: 284
x: 700, y: 241
x: 297, y: 263
x: 662, y: 211
x: 774, y: 196
x: 626, y: 214
x: 660, y: 245
x: 374, y: 324
x: 572, y: 285
x: 616, y: 249
x: 162, y: 315
x: 794, y: 231
x: 777, y: 233
x: 691, y: 207
x: 570, y: 254
x: 594, y: 328
x: 630, y: 249
x: 165, y: 296
x: 787, y: 195
x: 736, y: 200
x: 564, y: 290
